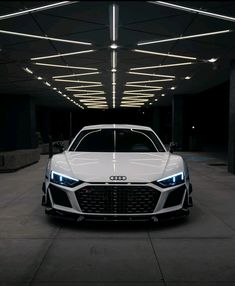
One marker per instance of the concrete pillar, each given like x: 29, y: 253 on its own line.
x: 231, y: 131
x: 177, y: 120
x: 17, y: 123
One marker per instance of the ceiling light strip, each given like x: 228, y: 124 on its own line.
x: 149, y: 81
x: 84, y: 94
x: 83, y: 86
x: 83, y: 81
x: 144, y: 94
x: 97, y: 107
x: 91, y: 97
x: 53, y: 88
x: 143, y: 90
x: 135, y: 97
x: 192, y: 10
x: 114, y: 22
x: 62, y: 55
x: 73, y: 75
x: 184, y: 37
x: 27, y: 11
x: 92, y: 102
x: 150, y: 74
x: 76, y: 81
x: 145, y: 86
x: 82, y: 90
x: 164, y: 54
x: 44, y: 38
x: 134, y: 100
x: 162, y: 66
x: 97, y: 104
x: 61, y: 66
x: 86, y: 90
x: 131, y: 105
x: 114, y: 60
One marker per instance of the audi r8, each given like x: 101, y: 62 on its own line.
x: 117, y: 172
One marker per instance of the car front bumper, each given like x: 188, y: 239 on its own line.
x: 117, y: 202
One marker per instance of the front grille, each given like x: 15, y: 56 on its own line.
x: 59, y: 197
x: 117, y: 199
x: 175, y: 197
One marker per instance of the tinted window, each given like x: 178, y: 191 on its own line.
x: 117, y: 140
x: 94, y: 141
x: 131, y: 141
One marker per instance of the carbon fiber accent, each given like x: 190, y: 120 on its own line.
x: 59, y: 197
x: 175, y: 197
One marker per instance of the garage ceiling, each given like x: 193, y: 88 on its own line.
x: 91, y: 71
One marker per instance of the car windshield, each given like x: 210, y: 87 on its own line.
x: 116, y: 140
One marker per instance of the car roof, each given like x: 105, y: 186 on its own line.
x: 116, y: 126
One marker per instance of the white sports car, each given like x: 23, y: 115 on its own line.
x: 117, y: 172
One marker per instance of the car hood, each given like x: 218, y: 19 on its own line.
x: 99, y: 167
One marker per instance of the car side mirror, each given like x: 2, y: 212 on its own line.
x: 173, y: 146
x: 59, y: 145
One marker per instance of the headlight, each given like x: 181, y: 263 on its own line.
x: 63, y: 180
x: 170, y: 181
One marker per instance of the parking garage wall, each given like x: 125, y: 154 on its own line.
x: 17, y: 123
x: 206, y: 118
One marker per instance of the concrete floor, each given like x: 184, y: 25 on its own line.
x: 37, y: 250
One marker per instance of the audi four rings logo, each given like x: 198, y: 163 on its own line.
x: 118, y: 178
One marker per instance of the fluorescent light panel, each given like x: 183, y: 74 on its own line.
x: 61, y: 66
x: 114, y: 26
x: 114, y: 59
x: 150, y: 74
x: 41, y: 8
x: 144, y: 94
x: 114, y: 22
x: 91, y: 97
x: 62, y: 55
x: 149, y: 81
x: 123, y: 103
x: 184, y: 37
x: 79, y: 94
x: 165, y: 55
x: 44, y: 38
x: 98, y: 107
x: 92, y: 102
x: 82, y: 90
x: 85, y: 81
x: 72, y: 75
x: 131, y: 104
x: 96, y: 104
x: 135, y: 97
x: 162, y: 66
x: 86, y: 90
x: 83, y: 86
x: 144, y: 90
x: 145, y: 86
x: 134, y: 100
x: 70, y: 80
x: 192, y: 10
